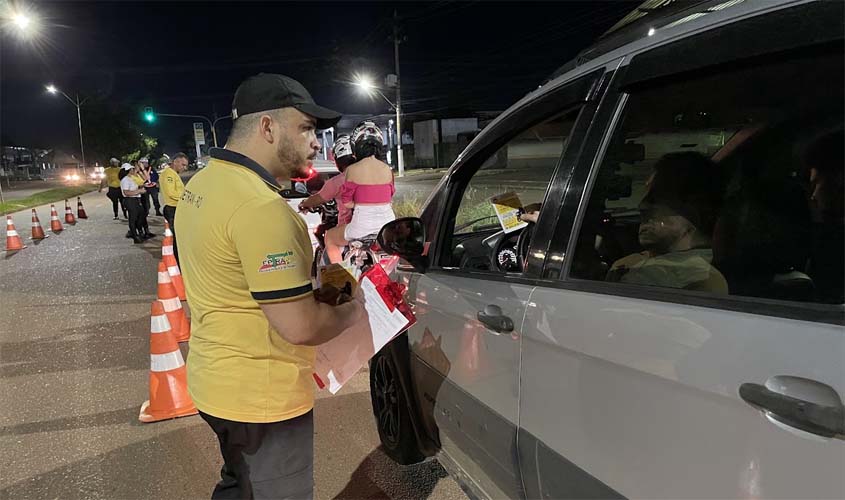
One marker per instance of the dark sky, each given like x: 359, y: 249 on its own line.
x: 189, y: 57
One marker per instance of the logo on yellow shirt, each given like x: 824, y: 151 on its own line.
x: 278, y: 262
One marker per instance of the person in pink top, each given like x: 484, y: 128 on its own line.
x: 343, y: 157
x: 367, y: 190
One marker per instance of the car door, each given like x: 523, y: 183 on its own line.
x: 691, y: 337
x: 471, y: 301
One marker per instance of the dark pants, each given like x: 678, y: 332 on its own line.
x: 274, y: 460
x: 136, y: 216
x: 116, y: 199
x: 170, y: 217
x: 153, y: 194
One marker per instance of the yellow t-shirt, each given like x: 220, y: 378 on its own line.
x: 138, y: 180
x: 112, y: 178
x: 241, y: 244
x: 172, y: 186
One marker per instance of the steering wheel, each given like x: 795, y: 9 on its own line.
x: 522, y: 243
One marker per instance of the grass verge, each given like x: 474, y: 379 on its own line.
x: 44, y: 197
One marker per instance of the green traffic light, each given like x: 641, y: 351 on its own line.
x: 150, y: 117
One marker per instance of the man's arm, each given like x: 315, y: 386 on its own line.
x: 308, y: 322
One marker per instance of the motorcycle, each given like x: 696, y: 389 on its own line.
x: 358, y: 256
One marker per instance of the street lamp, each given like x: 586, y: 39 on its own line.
x: 365, y: 83
x: 23, y: 22
x: 53, y: 90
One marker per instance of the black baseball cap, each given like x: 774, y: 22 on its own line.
x: 267, y: 91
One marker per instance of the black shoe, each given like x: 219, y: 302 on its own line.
x: 149, y: 235
x: 130, y: 235
x: 116, y: 218
x: 159, y: 214
x: 137, y: 240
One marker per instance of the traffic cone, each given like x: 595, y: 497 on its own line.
x: 55, y: 223
x: 170, y: 260
x: 13, y: 241
x: 37, y: 230
x: 80, y: 210
x: 172, y: 305
x: 169, y: 396
x: 69, y: 218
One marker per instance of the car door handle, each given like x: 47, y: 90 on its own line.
x: 493, y: 318
x: 827, y: 421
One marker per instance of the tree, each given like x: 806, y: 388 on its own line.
x: 112, y: 131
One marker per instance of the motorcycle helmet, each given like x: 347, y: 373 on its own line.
x: 342, y: 151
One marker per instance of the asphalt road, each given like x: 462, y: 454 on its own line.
x: 74, y: 360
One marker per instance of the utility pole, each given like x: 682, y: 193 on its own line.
x: 81, y: 143
x: 400, y: 159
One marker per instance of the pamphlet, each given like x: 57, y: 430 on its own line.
x: 508, y: 207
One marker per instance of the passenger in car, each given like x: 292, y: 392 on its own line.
x: 677, y: 213
x: 826, y: 160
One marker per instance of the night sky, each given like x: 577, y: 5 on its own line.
x: 188, y: 58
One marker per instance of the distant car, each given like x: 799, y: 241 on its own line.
x: 671, y: 326
x: 98, y: 174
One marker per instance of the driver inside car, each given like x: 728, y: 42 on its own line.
x: 677, y: 215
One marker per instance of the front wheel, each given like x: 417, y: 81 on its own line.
x: 391, y: 411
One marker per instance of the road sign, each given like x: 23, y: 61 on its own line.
x: 199, y: 133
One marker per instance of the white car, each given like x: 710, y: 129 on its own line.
x: 672, y: 324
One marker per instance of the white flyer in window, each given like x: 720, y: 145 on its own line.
x: 508, y: 208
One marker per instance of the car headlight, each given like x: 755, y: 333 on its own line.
x: 67, y: 177
x: 75, y: 177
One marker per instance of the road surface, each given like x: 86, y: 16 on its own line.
x: 74, y: 360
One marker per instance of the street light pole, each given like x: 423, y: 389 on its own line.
x: 53, y: 90
x: 79, y: 120
x: 400, y: 159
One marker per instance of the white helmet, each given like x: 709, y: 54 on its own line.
x: 342, y: 146
x: 367, y: 130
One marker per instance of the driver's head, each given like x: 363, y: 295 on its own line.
x: 679, y: 209
x: 275, y: 121
x: 825, y: 158
x: 342, y: 152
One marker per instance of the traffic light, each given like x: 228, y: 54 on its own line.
x: 149, y: 115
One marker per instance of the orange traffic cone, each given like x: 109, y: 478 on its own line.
x: 172, y: 305
x: 69, y: 218
x: 169, y: 396
x: 13, y: 241
x: 173, y: 267
x: 55, y: 223
x: 80, y: 210
x: 37, y: 230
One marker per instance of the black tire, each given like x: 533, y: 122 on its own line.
x: 318, y: 256
x: 391, y: 411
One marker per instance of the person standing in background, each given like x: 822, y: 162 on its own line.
x: 132, y: 191
x: 172, y: 188
x: 152, y: 189
x: 138, y: 175
x: 112, y: 180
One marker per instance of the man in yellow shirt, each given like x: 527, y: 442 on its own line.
x: 246, y: 261
x: 113, y: 181
x: 172, y: 188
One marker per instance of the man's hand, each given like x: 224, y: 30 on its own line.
x: 330, y: 294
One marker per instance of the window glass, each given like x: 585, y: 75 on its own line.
x: 730, y: 183
x: 524, y: 166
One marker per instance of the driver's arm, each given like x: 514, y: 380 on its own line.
x: 311, y: 202
x: 532, y: 213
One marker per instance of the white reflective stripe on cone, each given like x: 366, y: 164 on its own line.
x: 163, y: 277
x: 168, y: 250
x: 171, y: 305
x: 159, y: 324
x: 11, y: 232
x: 174, y: 271
x: 166, y: 362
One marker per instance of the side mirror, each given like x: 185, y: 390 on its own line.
x: 406, y: 238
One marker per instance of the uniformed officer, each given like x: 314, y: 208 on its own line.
x: 246, y: 259
x: 113, y: 182
x: 132, y: 191
x: 172, y: 188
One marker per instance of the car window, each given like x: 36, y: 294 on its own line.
x: 518, y: 175
x: 729, y: 184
